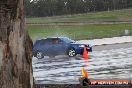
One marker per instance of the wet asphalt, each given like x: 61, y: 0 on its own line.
x: 105, y: 62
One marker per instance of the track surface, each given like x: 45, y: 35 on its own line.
x: 105, y: 62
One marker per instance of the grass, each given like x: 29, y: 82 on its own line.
x: 78, y: 32
x: 105, y: 16
x: 82, y: 26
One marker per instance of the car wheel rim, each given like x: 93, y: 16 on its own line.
x: 39, y: 55
x: 72, y: 52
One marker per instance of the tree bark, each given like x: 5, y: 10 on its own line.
x: 15, y: 47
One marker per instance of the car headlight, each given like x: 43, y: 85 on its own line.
x: 81, y: 45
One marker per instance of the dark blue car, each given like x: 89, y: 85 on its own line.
x: 58, y: 46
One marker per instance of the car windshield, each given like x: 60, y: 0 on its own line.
x: 67, y: 40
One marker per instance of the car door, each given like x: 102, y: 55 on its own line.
x: 47, y: 46
x: 57, y: 46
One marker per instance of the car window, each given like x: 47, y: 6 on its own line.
x: 46, y: 41
x: 55, y: 41
x: 67, y: 40
x: 60, y: 41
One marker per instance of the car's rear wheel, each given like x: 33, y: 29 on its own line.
x: 71, y: 52
x: 39, y: 55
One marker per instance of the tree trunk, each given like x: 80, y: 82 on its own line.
x: 15, y: 47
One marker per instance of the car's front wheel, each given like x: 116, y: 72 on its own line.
x: 39, y: 55
x: 71, y: 52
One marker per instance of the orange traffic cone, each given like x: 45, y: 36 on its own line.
x: 85, y: 54
x: 86, y: 74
